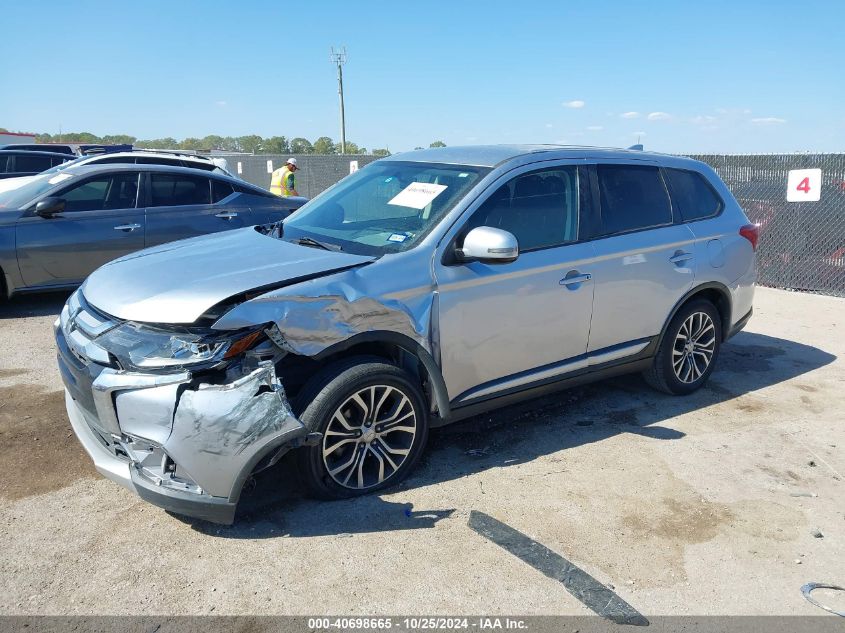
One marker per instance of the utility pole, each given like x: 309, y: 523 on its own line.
x: 339, y: 57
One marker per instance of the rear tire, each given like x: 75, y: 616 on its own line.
x: 688, y: 352
x: 374, y: 425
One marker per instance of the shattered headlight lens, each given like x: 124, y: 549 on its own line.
x: 143, y: 346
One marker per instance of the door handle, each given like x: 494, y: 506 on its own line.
x: 575, y: 279
x: 226, y: 215
x: 127, y: 227
x: 680, y: 257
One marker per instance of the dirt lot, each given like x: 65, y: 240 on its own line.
x: 697, y: 505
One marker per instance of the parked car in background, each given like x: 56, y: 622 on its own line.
x: 130, y: 158
x: 58, y: 227
x: 76, y: 149
x: 422, y: 289
x: 20, y: 163
x: 58, y: 148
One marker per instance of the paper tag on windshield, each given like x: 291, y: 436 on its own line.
x: 55, y: 180
x: 417, y: 195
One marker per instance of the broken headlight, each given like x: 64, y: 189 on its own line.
x: 144, y: 346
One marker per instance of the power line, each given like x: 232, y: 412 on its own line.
x: 339, y: 57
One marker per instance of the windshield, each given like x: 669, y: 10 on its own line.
x: 18, y: 198
x: 70, y: 163
x: 383, y: 208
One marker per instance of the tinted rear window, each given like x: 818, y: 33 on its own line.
x: 32, y: 162
x: 692, y: 196
x: 177, y: 190
x: 158, y: 160
x: 220, y: 190
x: 632, y: 197
x: 197, y: 164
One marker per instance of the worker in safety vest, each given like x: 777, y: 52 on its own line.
x: 283, y: 181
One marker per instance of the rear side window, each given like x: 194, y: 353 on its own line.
x: 3, y: 161
x: 198, y: 164
x: 632, y: 197
x: 220, y: 190
x: 28, y: 162
x: 114, y: 160
x: 170, y: 190
x: 157, y: 160
x: 693, y: 197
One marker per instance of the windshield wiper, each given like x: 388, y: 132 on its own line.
x: 308, y: 241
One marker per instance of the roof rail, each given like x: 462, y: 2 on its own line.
x: 175, y: 152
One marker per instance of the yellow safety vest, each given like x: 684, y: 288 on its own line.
x: 282, y: 182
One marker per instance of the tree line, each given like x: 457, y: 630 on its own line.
x: 250, y: 143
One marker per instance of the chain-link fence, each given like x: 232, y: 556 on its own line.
x: 802, y: 244
x: 315, y: 173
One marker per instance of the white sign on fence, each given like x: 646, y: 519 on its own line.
x: 353, y: 166
x: 269, y: 166
x: 804, y: 185
x: 240, y: 168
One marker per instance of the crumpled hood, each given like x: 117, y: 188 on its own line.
x: 179, y: 281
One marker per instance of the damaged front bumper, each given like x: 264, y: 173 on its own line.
x: 178, y: 442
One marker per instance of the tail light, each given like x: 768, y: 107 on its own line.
x: 751, y: 232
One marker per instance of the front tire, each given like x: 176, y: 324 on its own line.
x: 688, y: 352
x: 374, y: 425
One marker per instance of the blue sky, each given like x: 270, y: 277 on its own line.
x: 683, y: 76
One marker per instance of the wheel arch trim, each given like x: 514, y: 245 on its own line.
x: 710, y: 285
x: 406, y: 343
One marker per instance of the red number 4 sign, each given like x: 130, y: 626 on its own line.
x: 804, y: 185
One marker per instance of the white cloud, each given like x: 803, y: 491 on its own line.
x: 630, y: 115
x: 576, y: 104
x: 701, y: 119
x: 768, y: 120
x: 658, y: 116
x: 220, y: 104
x: 721, y: 111
x: 595, y: 128
x: 549, y: 125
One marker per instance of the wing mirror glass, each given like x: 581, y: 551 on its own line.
x: 49, y: 207
x: 488, y: 244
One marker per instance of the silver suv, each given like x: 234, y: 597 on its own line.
x: 425, y: 288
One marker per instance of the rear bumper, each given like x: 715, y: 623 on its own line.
x: 739, y: 325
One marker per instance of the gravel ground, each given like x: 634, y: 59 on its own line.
x: 700, y: 505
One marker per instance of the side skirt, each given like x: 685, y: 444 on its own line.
x: 545, y: 387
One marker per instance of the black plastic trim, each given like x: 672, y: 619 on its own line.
x: 205, y: 507
x: 600, y: 372
x: 739, y: 325
x: 438, y: 385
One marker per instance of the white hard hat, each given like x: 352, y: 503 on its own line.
x: 292, y: 161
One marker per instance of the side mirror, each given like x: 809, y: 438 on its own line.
x: 486, y: 244
x: 49, y: 207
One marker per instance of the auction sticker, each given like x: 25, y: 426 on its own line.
x: 417, y: 195
x: 804, y: 185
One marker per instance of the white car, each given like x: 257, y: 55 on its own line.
x: 174, y: 159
